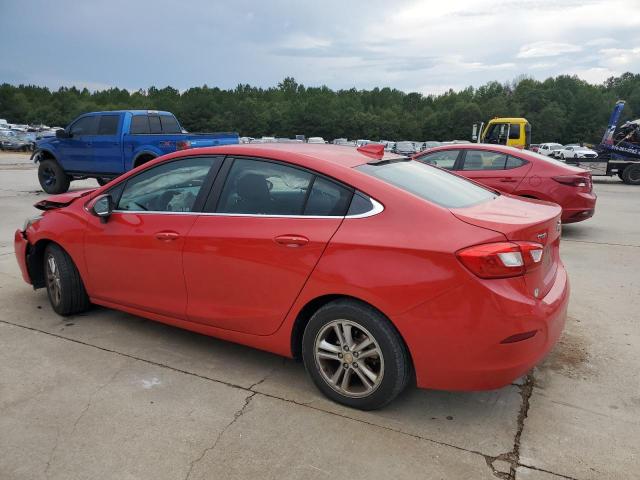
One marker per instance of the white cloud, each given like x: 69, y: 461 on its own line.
x: 620, y: 57
x: 546, y: 49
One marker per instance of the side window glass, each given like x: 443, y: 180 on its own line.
x: 139, y: 125
x: 169, y: 124
x: 327, y: 198
x: 443, y: 159
x: 513, y: 162
x: 484, y: 160
x: 85, y: 126
x: 154, y: 124
x: 170, y: 187
x: 108, y: 124
x: 360, y: 204
x: 514, y: 131
x: 264, y: 188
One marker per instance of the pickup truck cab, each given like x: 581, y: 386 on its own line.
x: 104, y: 145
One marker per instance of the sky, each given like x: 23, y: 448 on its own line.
x: 415, y: 46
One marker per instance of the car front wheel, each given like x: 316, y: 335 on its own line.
x: 65, y: 289
x: 354, y: 355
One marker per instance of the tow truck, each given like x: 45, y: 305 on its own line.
x: 618, y: 152
x: 510, y: 131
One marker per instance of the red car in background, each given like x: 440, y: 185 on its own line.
x: 372, y: 268
x: 520, y: 172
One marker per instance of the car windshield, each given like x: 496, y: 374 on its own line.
x: 430, y: 183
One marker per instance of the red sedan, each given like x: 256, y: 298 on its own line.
x: 370, y: 267
x: 520, y: 172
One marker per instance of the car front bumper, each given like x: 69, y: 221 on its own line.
x: 457, y: 340
x: 20, y: 245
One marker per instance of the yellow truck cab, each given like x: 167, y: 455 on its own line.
x: 514, y: 132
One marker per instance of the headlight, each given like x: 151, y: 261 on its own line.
x: 30, y: 221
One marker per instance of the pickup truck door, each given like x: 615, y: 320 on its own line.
x: 75, y: 153
x: 106, y: 145
x: 135, y: 258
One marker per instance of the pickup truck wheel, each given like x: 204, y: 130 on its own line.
x: 102, y: 180
x: 52, y: 178
x: 631, y: 175
x: 64, y: 286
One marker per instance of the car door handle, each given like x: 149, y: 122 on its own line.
x: 508, y: 180
x: 167, y: 236
x: 291, y: 240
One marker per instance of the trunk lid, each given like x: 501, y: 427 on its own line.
x: 62, y: 200
x: 521, y: 219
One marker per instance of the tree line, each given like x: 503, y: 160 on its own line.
x: 563, y: 109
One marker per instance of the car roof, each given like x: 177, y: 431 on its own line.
x: 341, y: 155
x: 476, y: 146
x: 133, y: 112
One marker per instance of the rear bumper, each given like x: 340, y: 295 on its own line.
x: 581, y: 207
x: 456, y: 340
x: 20, y: 245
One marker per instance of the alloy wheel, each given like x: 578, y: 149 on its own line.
x: 54, y: 284
x: 349, y: 358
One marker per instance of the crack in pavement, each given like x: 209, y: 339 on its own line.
x: 601, y: 243
x: 511, y: 457
x: 77, y: 420
x: 236, y: 416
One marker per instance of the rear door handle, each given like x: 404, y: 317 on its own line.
x: 167, y: 236
x: 292, y: 240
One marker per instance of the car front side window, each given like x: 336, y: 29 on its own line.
x: 168, y: 187
x: 85, y: 126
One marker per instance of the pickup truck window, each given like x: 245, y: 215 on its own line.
x: 154, y: 124
x: 170, y: 124
x: 108, y: 124
x: 85, y: 126
x: 139, y: 125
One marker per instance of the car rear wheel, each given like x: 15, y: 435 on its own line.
x: 52, y: 177
x: 64, y: 286
x: 354, y: 355
x: 631, y: 175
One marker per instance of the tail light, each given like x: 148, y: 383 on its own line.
x: 183, y: 144
x: 575, y: 181
x: 502, y: 259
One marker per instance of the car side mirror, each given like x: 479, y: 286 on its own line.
x: 63, y: 134
x: 102, y: 207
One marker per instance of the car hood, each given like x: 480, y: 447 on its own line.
x: 62, y: 200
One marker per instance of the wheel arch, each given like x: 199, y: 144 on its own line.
x: 312, y: 306
x: 35, y: 261
x: 143, y: 157
x: 43, y: 154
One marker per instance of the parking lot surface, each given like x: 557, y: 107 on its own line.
x: 108, y: 395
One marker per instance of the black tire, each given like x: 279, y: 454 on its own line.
x: 631, y: 175
x: 66, y: 291
x: 394, y: 364
x: 52, y: 177
x: 102, y: 181
x: 620, y: 173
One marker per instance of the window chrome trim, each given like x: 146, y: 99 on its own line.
x: 377, y: 208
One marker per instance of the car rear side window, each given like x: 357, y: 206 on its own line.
x: 514, y: 162
x: 484, y: 160
x: 169, y: 124
x: 327, y: 198
x: 256, y: 187
x: 139, y: 125
x: 108, y: 124
x: 431, y: 184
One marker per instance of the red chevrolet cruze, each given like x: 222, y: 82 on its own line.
x: 372, y: 268
x: 520, y: 172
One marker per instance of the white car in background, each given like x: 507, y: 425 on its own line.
x: 547, y: 148
x: 576, y: 151
x: 315, y: 140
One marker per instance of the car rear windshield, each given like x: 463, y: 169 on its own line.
x: 430, y: 183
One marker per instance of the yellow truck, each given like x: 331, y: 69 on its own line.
x: 515, y: 132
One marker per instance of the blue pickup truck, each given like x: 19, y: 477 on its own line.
x: 103, y: 145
